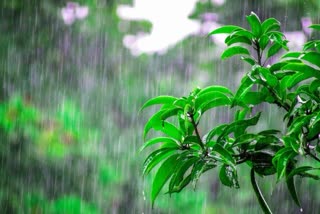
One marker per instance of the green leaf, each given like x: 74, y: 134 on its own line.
x: 228, y: 176
x: 291, y: 55
x: 269, y: 132
x: 263, y: 41
x: 154, y: 122
x: 292, y: 190
x: 266, y: 76
x: 238, y: 39
x: 170, y: 112
x: 312, y: 57
x: 225, y: 29
x: 253, y: 98
x: 314, y: 86
x: 197, y: 171
x: 263, y: 204
x: 159, y: 100
x: 224, y: 154
x: 274, y: 49
x: 158, y: 140
x: 249, y: 60
x: 215, y: 88
x: 234, y: 50
x: 155, y: 158
x: 255, y: 24
x: 283, y: 157
x: 172, y: 131
x: 270, y: 24
x: 238, y: 127
x: 300, y: 170
x: 215, y: 131
x: 209, y: 97
x: 164, y: 173
x: 222, y: 101
x: 315, y: 26
x: 304, y: 72
x: 245, y: 86
x: 178, y: 181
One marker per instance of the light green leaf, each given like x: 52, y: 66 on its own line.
x: 225, y: 29
x: 215, y: 88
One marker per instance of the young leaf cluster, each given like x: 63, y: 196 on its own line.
x: 292, y: 83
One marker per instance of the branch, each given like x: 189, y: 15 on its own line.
x: 196, y: 130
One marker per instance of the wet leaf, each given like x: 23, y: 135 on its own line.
x: 164, y: 173
x: 159, y: 100
x: 234, y: 50
x: 225, y: 29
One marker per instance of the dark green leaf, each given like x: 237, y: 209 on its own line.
x: 292, y: 190
x: 269, y: 132
x: 178, y: 182
x: 228, y: 176
x: 315, y: 26
x: 234, y: 50
x: 197, y: 171
x: 300, y: 170
x: 164, y: 173
x: 262, y: 201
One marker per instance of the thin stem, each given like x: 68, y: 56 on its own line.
x: 196, y: 130
x: 271, y: 90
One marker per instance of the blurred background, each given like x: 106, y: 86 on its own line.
x: 73, y: 76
